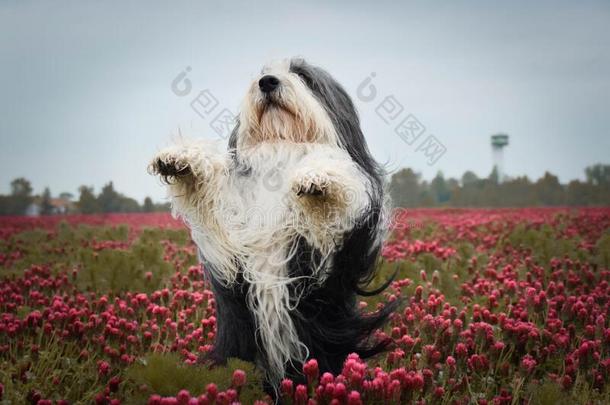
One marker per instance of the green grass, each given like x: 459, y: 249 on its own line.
x: 166, y: 374
x: 57, y: 371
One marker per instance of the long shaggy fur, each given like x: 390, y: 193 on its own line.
x: 289, y: 223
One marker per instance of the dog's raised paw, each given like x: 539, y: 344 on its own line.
x: 172, y: 168
x: 312, y: 185
x: 169, y: 167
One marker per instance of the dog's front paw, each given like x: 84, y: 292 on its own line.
x: 312, y: 184
x: 170, y: 168
x: 170, y: 164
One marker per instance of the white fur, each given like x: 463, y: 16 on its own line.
x: 242, y: 217
x: 250, y: 222
x: 302, y: 118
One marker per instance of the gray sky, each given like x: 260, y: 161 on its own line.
x: 85, y: 92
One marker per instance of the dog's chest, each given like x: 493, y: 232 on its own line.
x: 259, y: 201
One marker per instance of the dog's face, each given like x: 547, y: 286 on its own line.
x: 293, y: 101
x: 281, y: 105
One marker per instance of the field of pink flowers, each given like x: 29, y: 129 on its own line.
x: 498, y: 306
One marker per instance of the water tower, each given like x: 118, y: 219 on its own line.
x: 498, y: 142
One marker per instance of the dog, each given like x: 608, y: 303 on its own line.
x: 289, y: 222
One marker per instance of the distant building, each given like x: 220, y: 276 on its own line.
x: 33, y: 210
x: 498, y: 142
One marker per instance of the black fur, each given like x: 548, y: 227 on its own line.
x: 327, y: 318
x: 170, y: 171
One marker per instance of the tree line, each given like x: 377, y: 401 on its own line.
x: 22, y: 201
x: 409, y: 190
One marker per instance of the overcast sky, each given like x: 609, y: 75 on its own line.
x: 86, y: 97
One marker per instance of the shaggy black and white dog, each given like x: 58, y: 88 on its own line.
x: 289, y: 223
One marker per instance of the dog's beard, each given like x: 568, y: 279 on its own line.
x: 291, y: 114
x: 277, y: 121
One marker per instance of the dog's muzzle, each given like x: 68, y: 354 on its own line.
x: 268, y: 84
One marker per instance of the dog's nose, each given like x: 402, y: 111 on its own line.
x: 268, y: 83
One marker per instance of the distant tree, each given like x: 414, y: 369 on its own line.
x: 494, y: 177
x: 46, y: 207
x: 439, y: 189
x: 581, y: 193
x: 87, y: 203
x: 108, y: 199
x: 66, y: 196
x: 20, y: 198
x: 148, y: 205
x: 452, y: 185
x: 469, y: 192
x: 426, y: 199
x: 549, y: 191
x: 405, y: 189
x: 490, y: 192
x: 598, y: 175
x: 127, y: 204
x: 517, y: 192
x: 163, y: 207
x: 21, y: 187
x: 469, y: 178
